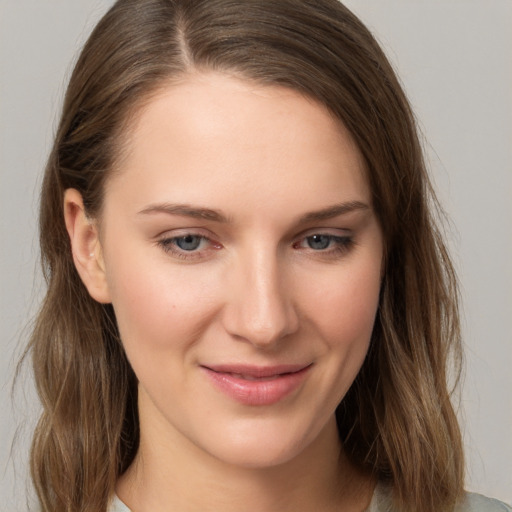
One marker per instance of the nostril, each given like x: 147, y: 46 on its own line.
x: 263, y: 329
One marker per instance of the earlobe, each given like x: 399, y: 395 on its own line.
x: 85, y: 246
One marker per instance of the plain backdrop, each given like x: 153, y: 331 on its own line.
x: 455, y: 60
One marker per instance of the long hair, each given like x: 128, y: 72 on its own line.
x: 397, y: 420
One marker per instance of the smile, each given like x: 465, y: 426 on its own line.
x: 256, y: 386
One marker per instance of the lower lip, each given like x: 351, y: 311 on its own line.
x: 260, y: 391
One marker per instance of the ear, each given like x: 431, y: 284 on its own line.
x: 85, y: 246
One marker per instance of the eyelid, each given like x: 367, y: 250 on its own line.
x: 184, y: 231
x: 327, y: 231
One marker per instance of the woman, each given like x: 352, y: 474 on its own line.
x: 249, y: 303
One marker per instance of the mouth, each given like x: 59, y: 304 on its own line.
x: 257, y: 385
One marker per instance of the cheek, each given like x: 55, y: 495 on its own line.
x: 157, y: 307
x: 344, y: 306
x: 341, y: 314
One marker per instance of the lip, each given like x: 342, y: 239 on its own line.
x: 256, y: 385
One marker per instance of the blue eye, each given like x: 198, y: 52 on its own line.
x: 189, y: 246
x: 188, y: 242
x: 325, y: 244
x: 322, y: 242
x: 319, y: 242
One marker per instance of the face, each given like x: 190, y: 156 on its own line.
x: 243, y: 260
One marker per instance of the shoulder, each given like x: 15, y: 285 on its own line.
x: 382, y: 502
x: 118, y: 506
x: 478, y: 503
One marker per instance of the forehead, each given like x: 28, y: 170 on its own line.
x: 215, y: 134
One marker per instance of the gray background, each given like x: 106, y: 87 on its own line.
x: 455, y: 60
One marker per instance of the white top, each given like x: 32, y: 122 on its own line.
x: 381, y: 502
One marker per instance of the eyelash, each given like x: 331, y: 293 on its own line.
x: 341, y: 245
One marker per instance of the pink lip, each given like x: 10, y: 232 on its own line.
x: 256, y: 385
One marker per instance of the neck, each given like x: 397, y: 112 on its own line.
x: 171, y: 474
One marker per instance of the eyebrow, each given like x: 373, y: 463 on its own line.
x: 334, y: 211
x: 196, y: 212
x: 186, y: 210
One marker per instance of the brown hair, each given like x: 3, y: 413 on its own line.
x: 396, y: 420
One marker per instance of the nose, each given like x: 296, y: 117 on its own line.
x: 260, y: 308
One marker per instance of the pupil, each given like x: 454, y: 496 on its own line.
x: 188, y: 243
x: 319, y: 242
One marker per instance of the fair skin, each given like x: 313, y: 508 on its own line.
x: 240, y: 251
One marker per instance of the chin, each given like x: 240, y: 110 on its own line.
x: 257, y: 456
x: 266, y: 446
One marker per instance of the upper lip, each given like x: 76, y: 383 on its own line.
x: 256, y: 371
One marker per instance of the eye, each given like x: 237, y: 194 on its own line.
x: 319, y: 242
x: 188, y: 246
x: 325, y: 243
x: 188, y: 242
